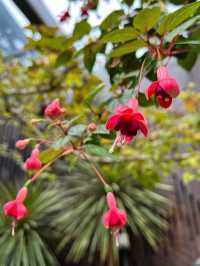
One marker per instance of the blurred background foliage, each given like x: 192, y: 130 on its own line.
x: 64, y: 221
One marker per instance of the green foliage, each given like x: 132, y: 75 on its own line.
x: 35, y: 237
x: 85, y: 202
x: 146, y: 19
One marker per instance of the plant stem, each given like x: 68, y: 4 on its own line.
x: 137, y: 89
x: 110, y: 259
x: 38, y: 173
x: 101, y: 178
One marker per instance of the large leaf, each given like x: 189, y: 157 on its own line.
x: 111, y: 20
x: 174, y: 19
x: 146, y: 19
x: 120, y: 35
x: 127, y: 48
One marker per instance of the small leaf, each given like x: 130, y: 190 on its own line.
x: 97, y: 150
x: 127, y: 48
x: 94, y: 92
x: 120, y: 35
x: 63, y: 58
x: 49, y: 154
x: 61, y: 142
x: 144, y: 102
x: 77, y: 130
x: 174, y: 19
x: 111, y: 20
x: 146, y: 19
x: 81, y: 29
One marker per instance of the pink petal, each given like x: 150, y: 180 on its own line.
x: 127, y: 139
x: 112, y: 122
x: 151, y: 89
x: 111, y: 201
x: 122, y: 216
x: 21, y: 211
x: 123, y: 109
x: 10, y: 208
x: 106, y: 220
x: 170, y: 86
x: 21, y: 195
x: 133, y: 104
x: 162, y: 73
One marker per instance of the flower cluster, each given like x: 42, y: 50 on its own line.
x: 126, y: 120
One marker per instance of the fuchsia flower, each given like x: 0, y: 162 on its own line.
x: 16, y: 208
x: 113, y: 218
x: 33, y: 162
x: 64, y: 16
x: 84, y: 11
x: 54, y: 110
x: 21, y: 144
x: 127, y: 121
x: 164, y: 89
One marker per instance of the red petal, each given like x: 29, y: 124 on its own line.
x: 151, y: 89
x: 21, y: 211
x: 10, y: 208
x: 112, y: 122
x: 170, y: 86
x: 127, y: 139
x: 138, y: 116
x: 122, y: 216
x: 164, y: 103
x: 162, y: 73
x: 133, y: 104
x: 143, y: 127
x: 111, y: 201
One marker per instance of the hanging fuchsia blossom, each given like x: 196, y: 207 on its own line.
x: 33, y: 162
x: 127, y: 121
x: 21, y: 144
x: 113, y: 218
x: 164, y: 89
x: 16, y: 208
x: 84, y: 11
x: 54, y: 110
x: 64, y: 16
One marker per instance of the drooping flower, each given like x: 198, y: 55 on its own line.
x: 16, y: 208
x: 64, y: 16
x: 84, y: 11
x: 165, y: 88
x: 33, y: 162
x: 113, y: 218
x: 21, y: 144
x: 54, y: 110
x: 127, y: 121
x: 92, y: 127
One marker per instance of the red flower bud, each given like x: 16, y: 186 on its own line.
x: 21, y: 144
x: 92, y: 127
x: 64, y: 16
x: 33, y: 162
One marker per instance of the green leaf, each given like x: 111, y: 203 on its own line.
x: 174, y: 19
x: 191, y: 42
x: 81, y: 29
x: 188, y: 60
x: 127, y: 48
x: 97, y: 150
x: 63, y: 58
x: 49, y: 154
x: 181, y: 28
x: 77, y: 130
x: 101, y: 130
x: 144, y: 102
x: 94, y: 92
x: 120, y: 35
x: 146, y: 19
x: 61, y: 142
x: 90, y: 52
x: 111, y: 20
